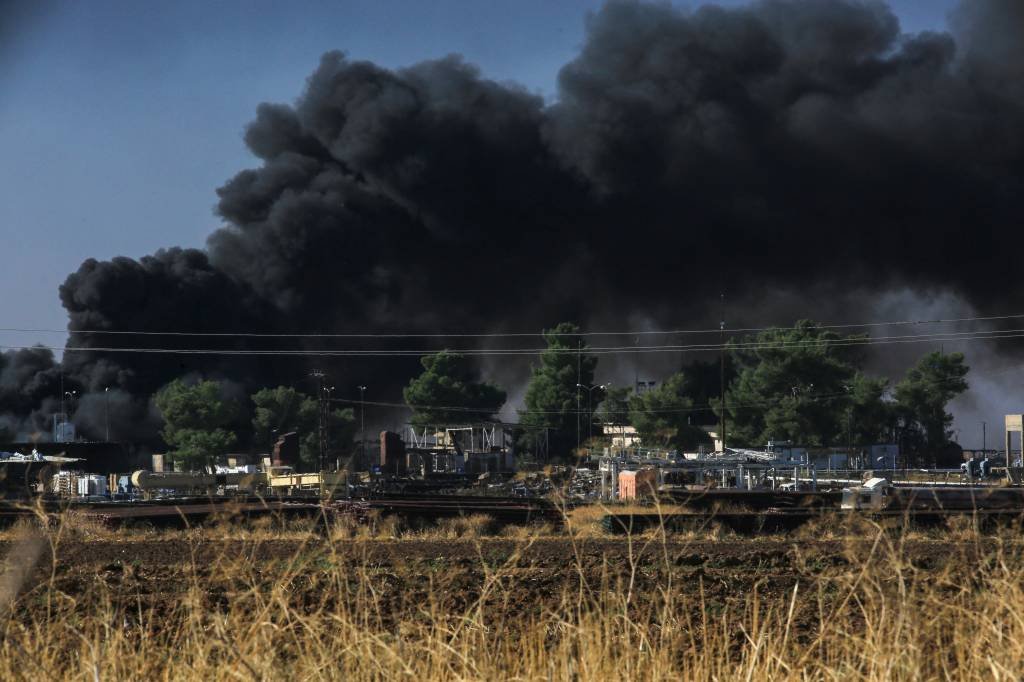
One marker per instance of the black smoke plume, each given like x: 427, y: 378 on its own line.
x: 800, y: 146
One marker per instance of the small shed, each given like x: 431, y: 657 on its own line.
x: 637, y: 484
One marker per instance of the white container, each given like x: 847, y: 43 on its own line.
x: 240, y: 469
x: 92, y: 485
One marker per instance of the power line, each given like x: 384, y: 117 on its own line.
x: 482, y: 335
x: 812, y: 397
x: 950, y: 337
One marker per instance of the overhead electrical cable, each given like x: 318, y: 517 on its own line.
x: 482, y: 335
x: 803, y: 396
x: 944, y: 337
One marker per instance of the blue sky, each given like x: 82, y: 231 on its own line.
x: 119, y: 119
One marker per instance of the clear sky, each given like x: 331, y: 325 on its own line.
x: 118, y: 119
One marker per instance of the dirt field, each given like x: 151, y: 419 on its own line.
x: 535, y: 574
x: 459, y: 602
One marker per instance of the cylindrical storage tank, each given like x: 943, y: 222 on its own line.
x: 147, y: 480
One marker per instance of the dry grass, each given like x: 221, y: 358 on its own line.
x: 378, y: 527
x: 331, y: 612
x: 585, y: 520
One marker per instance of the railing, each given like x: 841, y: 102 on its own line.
x: 923, y: 477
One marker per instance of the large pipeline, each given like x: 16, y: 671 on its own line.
x: 148, y: 481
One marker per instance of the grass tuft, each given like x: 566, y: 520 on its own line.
x: 466, y: 599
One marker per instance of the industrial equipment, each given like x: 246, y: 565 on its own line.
x: 873, y: 495
x: 203, y: 483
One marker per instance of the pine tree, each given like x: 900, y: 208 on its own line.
x: 449, y: 391
x: 554, y: 401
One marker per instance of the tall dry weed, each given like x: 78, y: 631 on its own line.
x: 870, y: 604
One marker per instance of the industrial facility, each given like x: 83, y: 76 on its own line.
x: 435, y: 472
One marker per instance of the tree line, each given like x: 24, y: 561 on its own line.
x: 203, y: 419
x: 806, y: 384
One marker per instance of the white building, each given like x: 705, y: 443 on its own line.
x: 622, y: 435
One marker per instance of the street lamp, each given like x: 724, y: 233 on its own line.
x: 590, y: 406
x: 325, y: 415
x: 70, y: 396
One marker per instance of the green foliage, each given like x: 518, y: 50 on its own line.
x: 449, y: 391
x: 614, y: 407
x: 921, y: 400
x: 552, y: 397
x: 704, y: 387
x: 870, y: 416
x: 197, y: 448
x: 199, y: 421
x: 279, y: 409
x: 795, y: 384
x: 804, y: 384
x: 284, y: 409
x: 663, y: 416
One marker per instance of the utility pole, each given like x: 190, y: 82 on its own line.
x: 636, y: 367
x: 362, y: 421
x: 328, y: 390
x: 590, y: 412
x: 106, y: 409
x: 984, y: 441
x: 321, y: 395
x: 579, y: 378
x: 721, y: 367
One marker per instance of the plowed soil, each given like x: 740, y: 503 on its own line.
x: 527, y: 576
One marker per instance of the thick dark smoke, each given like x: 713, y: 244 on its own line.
x: 29, y: 387
x: 807, y: 147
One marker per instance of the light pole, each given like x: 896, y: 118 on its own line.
x: 70, y: 395
x: 362, y: 420
x: 721, y: 367
x: 590, y: 406
x: 579, y: 377
x: 322, y: 409
x: 326, y: 416
x: 106, y: 410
